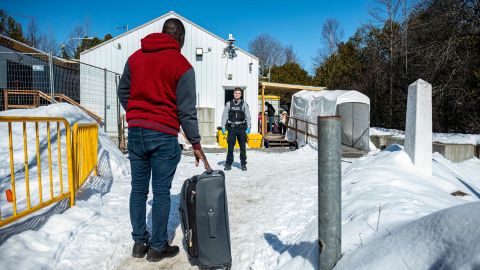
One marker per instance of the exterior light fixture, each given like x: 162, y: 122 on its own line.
x: 230, y: 49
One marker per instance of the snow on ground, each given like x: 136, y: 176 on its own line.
x: 452, y: 138
x: 386, y: 207
x: 377, y: 131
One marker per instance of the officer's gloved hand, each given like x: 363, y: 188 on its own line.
x: 223, y: 131
x: 248, y: 130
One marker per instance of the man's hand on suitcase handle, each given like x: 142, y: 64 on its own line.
x: 199, y: 155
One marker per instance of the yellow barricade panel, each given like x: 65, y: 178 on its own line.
x: 46, y: 163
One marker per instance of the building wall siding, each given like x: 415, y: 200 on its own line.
x: 211, y: 70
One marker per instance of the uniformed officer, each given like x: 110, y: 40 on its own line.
x: 236, y: 120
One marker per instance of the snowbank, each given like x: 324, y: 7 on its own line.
x: 447, y: 239
x: 451, y: 138
x: 384, y: 193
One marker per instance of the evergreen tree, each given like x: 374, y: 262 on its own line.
x: 14, y: 30
x: 90, y: 43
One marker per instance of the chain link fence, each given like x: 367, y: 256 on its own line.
x: 30, y: 80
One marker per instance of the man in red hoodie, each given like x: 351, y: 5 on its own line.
x: 157, y: 90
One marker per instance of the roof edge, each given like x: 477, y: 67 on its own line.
x: 25, y: 48
x: 157, y: 19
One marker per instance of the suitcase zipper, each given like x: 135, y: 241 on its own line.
x: 192, y: 245
x: 189, y: 236
x: 192, y: 201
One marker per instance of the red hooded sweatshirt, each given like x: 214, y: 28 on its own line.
x: 157, y: 88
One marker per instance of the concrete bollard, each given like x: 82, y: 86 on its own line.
x: 418, y: 128
x: 329, y: 191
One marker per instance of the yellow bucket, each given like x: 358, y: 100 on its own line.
x: 254, y: 140
x: 222, y: 140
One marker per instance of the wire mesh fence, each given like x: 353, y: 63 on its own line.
x: 30, y: 80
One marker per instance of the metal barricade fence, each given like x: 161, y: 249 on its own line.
x: 32, y: 79
x: 85, y: 149
x: 38, y: 72
x: 40, y: 149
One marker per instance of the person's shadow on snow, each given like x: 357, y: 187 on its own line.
x: 234, y: 164
x: 173, y: 218
x: 306, y: 250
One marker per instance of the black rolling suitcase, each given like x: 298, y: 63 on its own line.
x: 204, y: 217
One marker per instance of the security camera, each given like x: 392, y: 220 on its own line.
x: 230, y: 49
x: 231, y: 39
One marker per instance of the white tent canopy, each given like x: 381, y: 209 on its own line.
x: 351, y: 105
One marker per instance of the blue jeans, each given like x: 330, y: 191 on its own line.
x: 154, y: 154
x: 271, y: 119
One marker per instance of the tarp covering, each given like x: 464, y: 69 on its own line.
x: 351, y: 105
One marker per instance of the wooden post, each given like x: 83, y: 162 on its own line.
x: 306, y: 132
x: 36, y: 103
x: 5, y: 99
x: 296, y: 129
x: 263, y: 111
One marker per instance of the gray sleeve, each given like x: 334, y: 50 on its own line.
x: 186, y: 110
x: 248, y: 117
x: 225, y: 115
x: 123, y: 90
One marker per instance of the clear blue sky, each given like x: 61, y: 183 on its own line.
x: 296, y: 22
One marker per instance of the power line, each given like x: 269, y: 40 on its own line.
x: 20, y: 15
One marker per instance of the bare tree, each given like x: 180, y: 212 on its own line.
x: 86, y: 25
x: 269, y: 51
x: 290, y: 55
x: 70, y: 45
x: 47, y: 42
x: 387, y: 13
x: 406, y: 10
x: 405, y: 35
x: 332, y: 34
x: 33, y: 33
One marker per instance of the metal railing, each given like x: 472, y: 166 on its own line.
x: 303, y: 127
x: 292, y: 123
x: 42, y: 150
x: 54, y: 186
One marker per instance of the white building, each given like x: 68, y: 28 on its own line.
x: 216, y: 73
